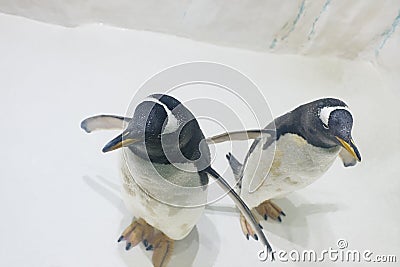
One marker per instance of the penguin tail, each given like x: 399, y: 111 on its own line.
x: 236, y: 166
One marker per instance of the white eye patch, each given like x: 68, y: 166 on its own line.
x: 325, y: 113
x: 172, y: 123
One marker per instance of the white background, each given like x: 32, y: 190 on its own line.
x: 59, y: 195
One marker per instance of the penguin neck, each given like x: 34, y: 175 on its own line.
x: 298, y: 123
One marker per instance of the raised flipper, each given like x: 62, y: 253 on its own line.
x: 239, y: 135
x: 235, y: 164
x: 104, y: 122
x: 243, y: 208
x: 268, y: 134
x: 347, y: 159
x: 236, y: 167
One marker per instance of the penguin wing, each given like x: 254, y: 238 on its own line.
x: 242, y: 206
x: 347, y: 159
x: 104, y: 122
x: 239, y: 135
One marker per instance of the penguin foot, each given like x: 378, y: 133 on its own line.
x: 247, y: 229
x: 140, y: 231
x: 163, y: 247
x: 270, y: 209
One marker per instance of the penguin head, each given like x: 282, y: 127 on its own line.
x: 160, y: 125
x: 334, y: 125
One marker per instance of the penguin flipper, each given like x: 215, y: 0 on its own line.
x: 239, y: 135
x: 241, y: 205
x: 236, y: 166
x: 104, y: 122
x: 347, y: 159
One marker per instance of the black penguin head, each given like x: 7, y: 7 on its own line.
x: 162, y: 130
x: 334, y: 124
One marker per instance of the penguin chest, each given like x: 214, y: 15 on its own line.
x: 295, y: 157
x: 288, y: 166
x: 168, y: 197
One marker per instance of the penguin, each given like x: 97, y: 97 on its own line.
x: 165, y: 169
x: 292, y: 152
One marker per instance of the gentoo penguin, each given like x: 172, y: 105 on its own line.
x: 165, y: 168
x: 294, y: 150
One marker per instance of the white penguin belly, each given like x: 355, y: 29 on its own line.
x: 172, y: 206
x: 295, y: 165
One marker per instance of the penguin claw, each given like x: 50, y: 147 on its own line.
x: 163, y: 247
x: 136, y: 232
x: 247, y: 229
x: 270, y: 209
x: 140, y: 231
